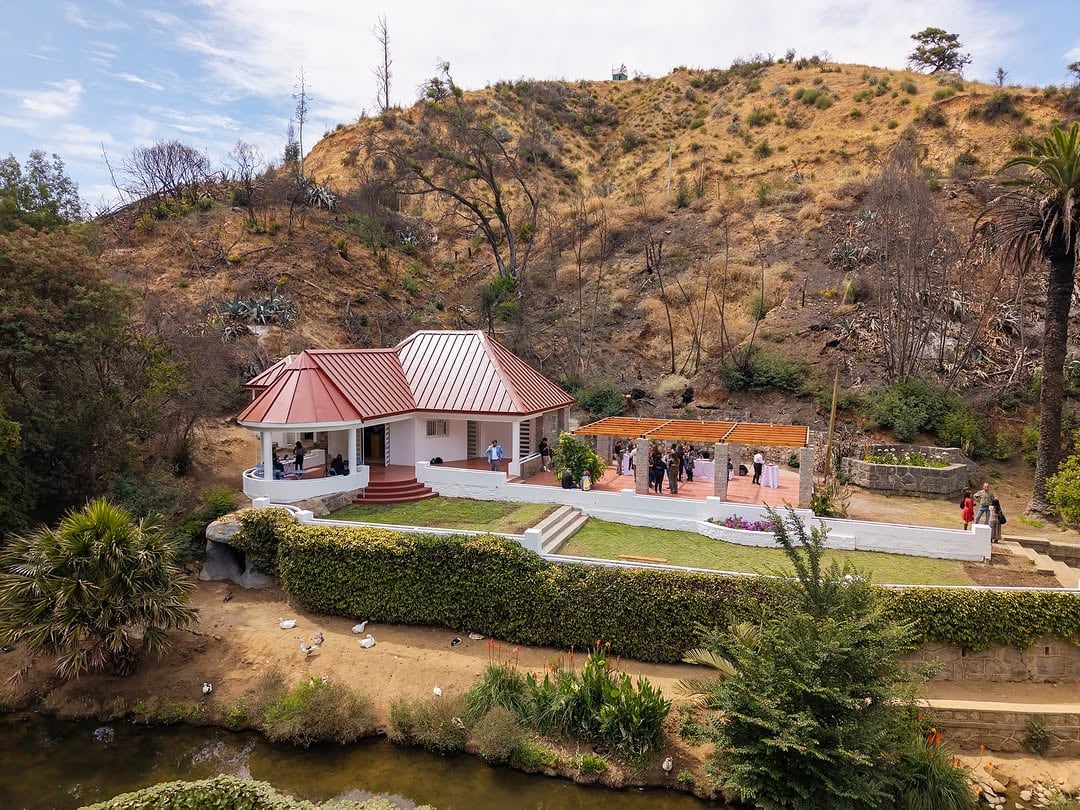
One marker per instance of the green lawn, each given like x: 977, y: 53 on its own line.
x: 451, y: 513
x: 598, y: 538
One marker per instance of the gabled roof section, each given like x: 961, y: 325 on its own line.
x: 467, y: 372
x: 442, y: 371
x: 302, y: 394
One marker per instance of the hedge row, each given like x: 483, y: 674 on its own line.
x: 225, y: 793
x: 493, y: 586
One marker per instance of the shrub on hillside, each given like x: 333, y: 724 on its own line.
x: 1063, y: 490
x: 999, y: 104
x: 917, y: 406
x: 601, y: 401
x: 314, y: 711
x: 932, y: 116
x: 429, y: 723
x: 498, y: 734
x: 762, y: 372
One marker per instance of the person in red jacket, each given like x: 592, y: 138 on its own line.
x: 967, y: 509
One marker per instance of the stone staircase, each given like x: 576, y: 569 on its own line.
x: 560, y: 526
x: 1068, y: 577
x: 393, y: 492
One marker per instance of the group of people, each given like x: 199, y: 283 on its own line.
x: 989, y: 508
x: 672, y: 463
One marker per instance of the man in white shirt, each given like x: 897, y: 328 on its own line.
x: 759, y: 465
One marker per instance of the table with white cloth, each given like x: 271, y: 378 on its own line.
x: 704, y: 468
x: 770, y: 476
x: 312, y: 459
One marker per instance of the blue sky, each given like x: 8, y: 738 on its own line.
x: 76, y: 75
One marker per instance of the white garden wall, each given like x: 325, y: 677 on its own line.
x: 661, y: 512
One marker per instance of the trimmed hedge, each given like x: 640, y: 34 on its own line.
x: 226, y: 793
x: 493, y: 586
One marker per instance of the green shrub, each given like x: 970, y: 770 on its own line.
x: 429, y: 723
x: 314, y: 711
x: 1037, y: 737
x: 498, y: 734
x: 502, y: 590
x: 632, y: 139
x: 930, y: 778
x: 762, y: 150
x: 1063, y: 490
x: 228, y: 792
x: 932, y: 116
x: 999, y: 104
x: 917, y: 406
x: 575, y: 454
x: 855, y: 113
x: 686, y: 779
x: 262, y: 529
x: 893, y: 123
x: 759, y: 117
x: 531, y: 755
x: 500, y: 687
x: 763, y: 372
x: 601, y: 401
x: 908, y: 86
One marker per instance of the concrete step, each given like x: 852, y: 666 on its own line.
x: 566, y: 527
x: 554, y: 518
x: 393, y: 492
x: 1043, y: 564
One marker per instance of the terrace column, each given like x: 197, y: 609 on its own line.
x: 352, y: 450
x: 641, y: 466
x: 604, y: 445
x: 720, y: 460
x: 267, y: 455
x: 515, y: 449
x: 806, y: 476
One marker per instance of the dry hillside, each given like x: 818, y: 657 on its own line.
x: 755, y: 169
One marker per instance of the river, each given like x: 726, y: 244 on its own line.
x: 50, y: 763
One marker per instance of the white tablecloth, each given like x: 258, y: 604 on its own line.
x: 312, y: 459
x: 704, y: 468
x: 770, y: 477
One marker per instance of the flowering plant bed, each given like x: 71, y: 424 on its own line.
x: 909, y: 458
x: 736, y: 522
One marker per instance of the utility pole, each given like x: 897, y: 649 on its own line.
x: 832, y: 425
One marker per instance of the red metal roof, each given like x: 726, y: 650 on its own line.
x: 302, y: 394
x: 442, y: 371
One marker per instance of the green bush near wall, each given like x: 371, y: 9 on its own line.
x: 225, y: 793
x: 493, y: 586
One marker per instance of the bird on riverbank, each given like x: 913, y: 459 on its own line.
x: 437, y: 692
x: 308, y: 649
x: 286, y: 624
x: 207, y: 687
x: 227, y: 597
x: 668, y: 765
x: 367, y: 642
x: 359, y: 628
x: 318, y: 639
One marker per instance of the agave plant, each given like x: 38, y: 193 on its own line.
x: 93, y: 592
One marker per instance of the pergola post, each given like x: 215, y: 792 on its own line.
x: 604, y: 446
x: 352, y: 450
x: 806, y: 476
x: 720, y: 482
x: 267, y: 454
x: 641, y: 466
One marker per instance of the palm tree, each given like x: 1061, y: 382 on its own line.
x: 94, y: 592
x: 1038, y: 220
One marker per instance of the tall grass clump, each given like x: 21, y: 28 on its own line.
x: 432, y: 723
x: 317, y: 711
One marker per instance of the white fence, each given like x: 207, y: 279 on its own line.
x: 660, y: 512
x: 290, y: 490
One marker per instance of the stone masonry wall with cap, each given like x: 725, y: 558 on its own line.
x: 1045, y: 661
x: 939, y: 482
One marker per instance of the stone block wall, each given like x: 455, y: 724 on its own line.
x: 1047, y: 660
x: 939, y: 482
x: 1006, y: 730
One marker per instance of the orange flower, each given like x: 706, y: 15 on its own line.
x: 982, y: 748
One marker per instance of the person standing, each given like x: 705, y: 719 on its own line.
x: 618, y: 458
x: 674, y: 467
x: 659, y: 469
x: 679, y: 453
x: 967, y: 509
x: 298, y: 456
x: 545, y: 455
x: 997, y: 520
x: 493, y: 455
x: 984, y: 499
x: 691, y: 457
x: 759, y: 466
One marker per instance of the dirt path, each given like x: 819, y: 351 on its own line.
x: 238, y: 640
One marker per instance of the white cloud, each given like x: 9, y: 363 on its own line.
x: 73, y: 14
x: 58, y: 100
x: 1072, y: 55
x: 131, y: 77
x: 254, y: 47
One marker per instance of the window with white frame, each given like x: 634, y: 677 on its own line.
x: 437, y: 427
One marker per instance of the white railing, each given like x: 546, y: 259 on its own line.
x: 657, y: 511
x: 291, y: 490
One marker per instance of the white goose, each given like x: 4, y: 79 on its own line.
x: 437, y: 692
x: 286, y: 624
x: 359, y: 628
x: 318, y: 639
x: 207, y: 687
x: 668, y: 765
x: 367, y: 642
x: 308, y: 649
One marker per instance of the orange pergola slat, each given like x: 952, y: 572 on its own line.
x: 621, y: 427
x: 689, y: 431
x: 743, y: 433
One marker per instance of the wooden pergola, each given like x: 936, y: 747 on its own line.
x: 699, y: 431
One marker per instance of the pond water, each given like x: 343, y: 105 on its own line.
x: 51, y: 763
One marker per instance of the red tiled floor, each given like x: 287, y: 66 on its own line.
x: 740, y: 490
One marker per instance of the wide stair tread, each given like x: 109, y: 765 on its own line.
x: 381, y: 492
x: 560, y: 526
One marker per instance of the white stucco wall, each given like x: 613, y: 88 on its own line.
x: 503, y: 431
x: 693, y: 515
x: 403, y: 442
x: 450, y: 447
x: 337, y: 441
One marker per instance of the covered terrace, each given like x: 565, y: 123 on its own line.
x: 718, y: 442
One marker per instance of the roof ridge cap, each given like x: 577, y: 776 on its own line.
x: 489, y: 349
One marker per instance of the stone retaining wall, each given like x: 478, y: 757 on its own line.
x: 1047, y: 660
x: 1006, y: 729
x: 937, y: 482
